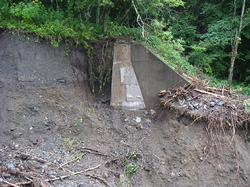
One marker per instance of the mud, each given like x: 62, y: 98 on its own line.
x: 52, y: 127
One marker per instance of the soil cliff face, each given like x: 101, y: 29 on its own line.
x: 52, y: 128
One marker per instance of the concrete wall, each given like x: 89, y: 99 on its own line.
x: 152, y: 74
x: 125, y: 90
x: 138, y: 76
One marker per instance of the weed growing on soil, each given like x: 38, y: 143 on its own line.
x: 79, y: 121
x: 79, y: 156
x: 129, y: 167
x: 68, y: 143
x: 88, y: 110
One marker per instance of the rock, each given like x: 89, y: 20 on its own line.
x: 138, y: 119
x: 33, y: 139
x: 14, y: 155
x: 108, y: 112
x: 172, y: 174
x: 11, y: 167
x: 81, y: 185
x: 152, y: 112
x: 212, y: 104
x: 196, y: 106
x: 24, y: 167
x: 170, y: 181
x: 33, y: 164
x: 23, y: 157
x: 52, y: 174
x: 6, y: 175
x: 101, y: 118
x: 98, y: 106
x: 12, y: 146
x: 220, y: 103
x: 12, y: 128
x: 1, y: 84
x: 190, y: 107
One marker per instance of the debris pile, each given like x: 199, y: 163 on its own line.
x: 220, y: 107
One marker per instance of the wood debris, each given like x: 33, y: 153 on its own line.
x: 217, y: 106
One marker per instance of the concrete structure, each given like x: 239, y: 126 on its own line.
x: 138, y: 76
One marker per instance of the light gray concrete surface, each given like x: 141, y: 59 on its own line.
x: 138, y: 76
x: 125, y: 90
x: 152, y: 74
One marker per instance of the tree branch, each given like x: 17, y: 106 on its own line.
x: 245, y: 26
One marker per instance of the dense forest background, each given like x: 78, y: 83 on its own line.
x: 194, y: 35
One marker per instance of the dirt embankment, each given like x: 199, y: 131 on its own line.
x: 54, y: 133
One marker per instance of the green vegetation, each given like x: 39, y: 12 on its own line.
x: 247, y: 136
x: 79, y: 156
x: 246, y: 103
x: 88, y: 110
x: 129, y: 167
x: 79, y: 121
x: 68, y: 143
x: 188, y: 35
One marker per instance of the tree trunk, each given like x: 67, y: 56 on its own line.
x: 125, y: 16
x: 105, y: 20
x: 98, y: 13
x: 236, y: 45
x: 234, y: 54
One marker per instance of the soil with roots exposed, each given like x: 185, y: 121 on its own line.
x: 55, y: 132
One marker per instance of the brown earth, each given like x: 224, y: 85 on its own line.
x: 53, y: 127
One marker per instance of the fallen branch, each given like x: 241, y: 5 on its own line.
x: 70, y: 161
x: 32, y: 147
x: 178, y: 133
x: 76, y: 173
x: 94, y: 152
x: 195, y: 121
x: 11, y: 184
x: 233, y: 129
x: 98, y: 178
x: 205, y: 92
x: 42, y: 160
x: 49, y: 180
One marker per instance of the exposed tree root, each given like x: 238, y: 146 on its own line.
x: 219, y: 109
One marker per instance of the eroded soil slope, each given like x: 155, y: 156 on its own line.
x: 55, y: 133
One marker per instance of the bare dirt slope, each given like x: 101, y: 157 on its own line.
x: 53, y: 132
